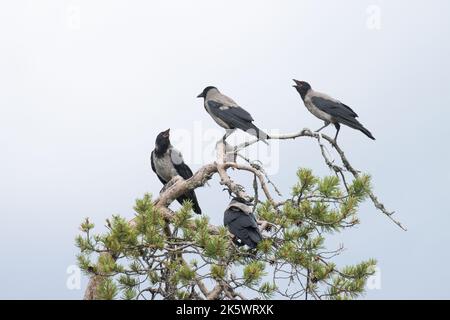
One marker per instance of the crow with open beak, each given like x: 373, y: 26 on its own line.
x: 329, y: 109
x: 167, y: 162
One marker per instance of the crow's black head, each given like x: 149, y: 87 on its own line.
x: 163, y: 141
x: 205, y: 91
x: 302, y: 87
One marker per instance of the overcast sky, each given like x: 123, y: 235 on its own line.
x: 85, y: 86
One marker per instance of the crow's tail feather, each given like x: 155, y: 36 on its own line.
x: 367, y: 133
x: 255, y: 131
x: 355, y: 124
x: 255, y: 237
x: 193, y: 198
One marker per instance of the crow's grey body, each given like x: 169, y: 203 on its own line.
x: 164, y: 165
x: 329, y: 109
x: 220, y: 106
x: 320, y: 113
x: 167, y: 162
x: 228, y: 114
x: 241, y: 222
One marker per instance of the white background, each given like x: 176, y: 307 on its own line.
x: 85, y: 86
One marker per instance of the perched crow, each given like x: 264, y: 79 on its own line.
x: 241, y: 222
x: 228, y: 114
x: 328, y: 109
x: 167, y: 162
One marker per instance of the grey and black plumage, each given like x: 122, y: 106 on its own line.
x: 228, y: 114
x: 167, y: 162
x: 241, y: 222
x: 329, y: 109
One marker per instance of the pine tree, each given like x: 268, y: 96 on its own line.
x: 161, y: 254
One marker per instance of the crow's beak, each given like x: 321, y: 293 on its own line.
x: 200, y: 95
x: 297, y: 83
x: 166, y: 133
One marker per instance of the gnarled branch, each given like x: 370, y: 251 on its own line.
x: 178, y: 186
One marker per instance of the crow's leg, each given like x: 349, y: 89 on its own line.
x: 327, y: 123
x: 228, y: 133
x: 338, y: 127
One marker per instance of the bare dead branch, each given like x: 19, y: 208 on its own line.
x: 348, y: 167
x: 178, y: 186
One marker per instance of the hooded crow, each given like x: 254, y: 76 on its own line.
x: 167, y: 162
x: 228, y: 114
x: 241, y: 222
x: 329, y: 109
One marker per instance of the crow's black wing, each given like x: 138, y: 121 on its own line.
x: 185, y: 172
x: 342, y: 113
x: 243, y: 226
x: 350, y: 109
x: 234, y: 116
x: 182, y: 169
x: 336, y: 109
x: 241, y: 113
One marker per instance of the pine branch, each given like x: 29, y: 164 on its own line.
x: 178, y: 186
x: 348, y: 167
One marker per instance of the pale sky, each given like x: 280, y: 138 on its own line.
x: 85, y: 86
